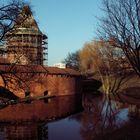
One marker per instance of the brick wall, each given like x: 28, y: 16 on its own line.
x: 39, y: 83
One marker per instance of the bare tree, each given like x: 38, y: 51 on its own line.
x: 14, y: 16
x: 8, y: 15
x: 72, y: 60
x: 121, y: 25
x: 107, y: 63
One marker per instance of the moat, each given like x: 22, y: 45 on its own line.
x: 85, y: 117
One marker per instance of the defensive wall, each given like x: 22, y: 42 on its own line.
x: 37, y: 80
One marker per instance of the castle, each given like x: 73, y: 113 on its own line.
x: 24, y: 70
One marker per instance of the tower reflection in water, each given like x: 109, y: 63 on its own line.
x: 29, y: 121
x: 26, y: 131
x: 88, y: 117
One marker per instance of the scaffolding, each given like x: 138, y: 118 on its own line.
x: 27, y: 44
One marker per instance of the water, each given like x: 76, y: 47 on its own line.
x: 86, y: 117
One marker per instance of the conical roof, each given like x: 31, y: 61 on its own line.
x: 26, y: 19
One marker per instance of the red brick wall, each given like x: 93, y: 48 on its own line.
x: 55, y: 85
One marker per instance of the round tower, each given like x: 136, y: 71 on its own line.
x: 26, y: 44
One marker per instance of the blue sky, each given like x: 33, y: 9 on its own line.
x: 68, y: 24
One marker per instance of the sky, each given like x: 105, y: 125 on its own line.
x: 67, y: 23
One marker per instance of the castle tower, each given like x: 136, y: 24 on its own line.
x: 26, y: 44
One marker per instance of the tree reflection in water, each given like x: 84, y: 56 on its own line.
x: 101, y: 119
x: 104, y: 118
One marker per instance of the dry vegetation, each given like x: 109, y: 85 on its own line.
x: 106, y: 63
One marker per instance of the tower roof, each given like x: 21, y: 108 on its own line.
x: 26, y: 19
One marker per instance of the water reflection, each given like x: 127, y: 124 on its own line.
x: 29, y: 121
x: 26, y: 131
x: 106, y: 119
x: 41, y: 110
x: 101, y: 116
x: 64, y: 118
x: 134, y: 111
